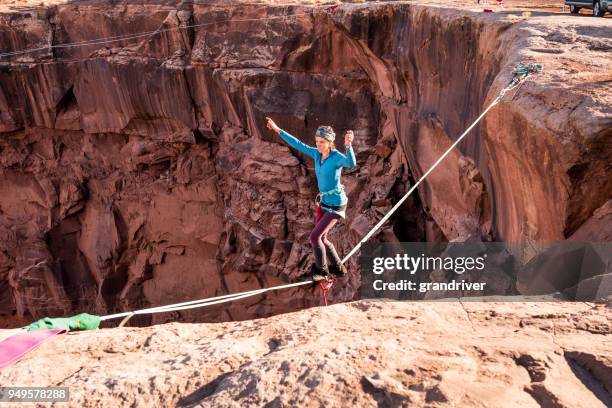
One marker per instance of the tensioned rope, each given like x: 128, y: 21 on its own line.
x: 199, y: 303
x: 520, y: 73
x: 107, y: 40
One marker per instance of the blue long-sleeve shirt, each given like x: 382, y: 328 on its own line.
x: 329, y: 172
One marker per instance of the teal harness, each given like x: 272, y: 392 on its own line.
x: 341, y: 210
x: 337, y: 190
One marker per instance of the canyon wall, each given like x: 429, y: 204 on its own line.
x: 139, y: 172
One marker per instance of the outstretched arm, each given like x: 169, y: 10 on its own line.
x: 349, y: 160
x: 292, y: 140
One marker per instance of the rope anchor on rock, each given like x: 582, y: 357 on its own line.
x: 520, y: 72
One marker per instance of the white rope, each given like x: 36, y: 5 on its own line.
x: 236, y: 296
x: 400, y: 202
x: 513, y: 84
x: 107, y: 40
x: 230, y: 298
x: 202, y: 302
x: 197, y: 304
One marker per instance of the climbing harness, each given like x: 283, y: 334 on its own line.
x: 322, y: 206
x: 520, y: 73
x: 337, y: 190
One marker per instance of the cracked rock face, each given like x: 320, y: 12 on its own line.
x: 140, y: 172
x: 529, y: 354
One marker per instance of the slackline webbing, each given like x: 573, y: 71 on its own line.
x: 520, y: 73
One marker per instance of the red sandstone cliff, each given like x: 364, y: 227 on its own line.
x: 140, y: 172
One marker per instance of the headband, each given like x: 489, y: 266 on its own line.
x: 326, y: 134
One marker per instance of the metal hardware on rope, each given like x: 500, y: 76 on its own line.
x: 519, y: 74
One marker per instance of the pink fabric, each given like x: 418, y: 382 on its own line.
x: 18, y: 345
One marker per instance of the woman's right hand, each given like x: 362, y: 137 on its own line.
x: 271, y: 125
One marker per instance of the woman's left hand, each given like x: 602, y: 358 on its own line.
x: 348, y: 138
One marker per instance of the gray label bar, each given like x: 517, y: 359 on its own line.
x: 487, y: 271
x: 34, y: 394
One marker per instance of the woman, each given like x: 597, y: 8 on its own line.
x: 331, y: 201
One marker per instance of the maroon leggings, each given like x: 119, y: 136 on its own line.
x: 324, y: 222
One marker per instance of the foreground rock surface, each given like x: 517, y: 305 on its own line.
x: 366, y: 353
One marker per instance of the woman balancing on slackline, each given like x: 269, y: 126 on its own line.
x: 331, y: 200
